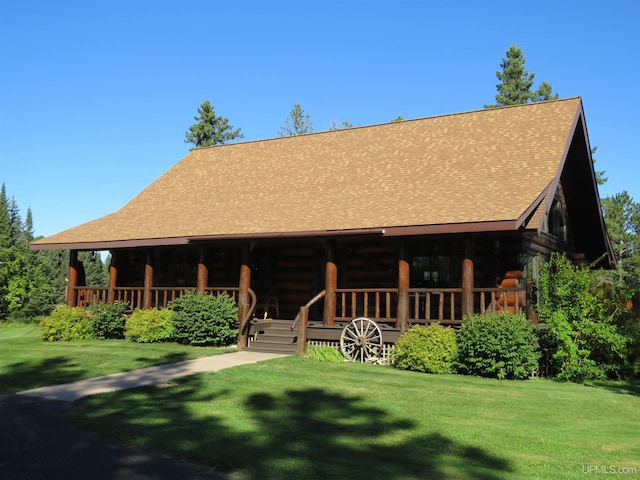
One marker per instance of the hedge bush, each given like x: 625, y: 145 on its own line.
x: 426, y: 349
x: 202, y: 319
x: 108, y: 320
x: 500, y: 345
x: 66, y: 323
x: 147, y: 326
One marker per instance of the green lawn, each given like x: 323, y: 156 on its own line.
x: 294, y: 418
x: 28, y: 362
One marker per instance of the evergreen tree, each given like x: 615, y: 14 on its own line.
x: 545, y: 92
x: 297, y: 123
x: 96, y: 272
x: 600, y: 178
x: 622, y: 217
x: 339, y: 126
x: 28, y: 226
x: 25, y: 292
x: 516, y: 82
x: 16, y: 222
x: 55, y: 266
x: 210, y: 129
x: 5, y: 220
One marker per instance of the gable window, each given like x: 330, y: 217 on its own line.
x: 557, y: 221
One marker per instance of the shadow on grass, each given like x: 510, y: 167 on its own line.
x: 626, y: 388
x: 50, y: 371
x: 57, y: 370
x: 306, y: 433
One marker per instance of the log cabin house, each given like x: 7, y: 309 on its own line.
x: 412, y: 222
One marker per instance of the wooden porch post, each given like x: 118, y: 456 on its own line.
x: 330, y: 285
x: 72, y: 279
x: 467, y: 288
x: 303, y: 323
x: 148, y: 281
x: 243, y: 296
x: 203, y: 271
x: 113, y: 277
x: 404, y: 276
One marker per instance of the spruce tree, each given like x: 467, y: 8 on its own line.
x: 5, y: 219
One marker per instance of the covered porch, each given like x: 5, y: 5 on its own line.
x: 318, y: 285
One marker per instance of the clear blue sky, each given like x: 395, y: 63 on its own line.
x: 96, y: 95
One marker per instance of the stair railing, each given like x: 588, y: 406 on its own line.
x: 307, y: 305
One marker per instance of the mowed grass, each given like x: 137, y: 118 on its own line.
x: 294, y: 418
x: 28, y: 362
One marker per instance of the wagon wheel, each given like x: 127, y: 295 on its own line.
x: 361, y: 340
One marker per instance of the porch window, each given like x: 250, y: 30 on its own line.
x: 430, y: 271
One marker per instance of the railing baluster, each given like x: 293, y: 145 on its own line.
x: 452, y: 316
x: 353, y: 304
x: 388, y: 305
x: 365, y: 304
x: 441, y: 307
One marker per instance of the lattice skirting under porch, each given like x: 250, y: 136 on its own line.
x: 383, y: 357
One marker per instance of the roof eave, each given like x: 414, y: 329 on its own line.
x: 413, y: 230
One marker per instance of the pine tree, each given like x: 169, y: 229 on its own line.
x: 297, y: 123
x: 339, y: 126
x: 210, y: 129
x: 516, y: 82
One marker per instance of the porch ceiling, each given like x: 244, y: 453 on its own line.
x: 478, y: 171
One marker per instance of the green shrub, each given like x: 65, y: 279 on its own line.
x: 108, y: 319
x: 500, y: 345
x: 586, y: 320
x: 66, y: 323
x: 323, y: 354
x: 429, y: 350
x: 200, y: 319
x: 147, y: 326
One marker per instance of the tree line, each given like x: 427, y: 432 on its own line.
x: 32, y: 282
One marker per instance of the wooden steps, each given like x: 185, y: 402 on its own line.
x: 274, y: 336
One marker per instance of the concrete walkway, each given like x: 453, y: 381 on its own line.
x: 37, y: 442
x: 70, y: 392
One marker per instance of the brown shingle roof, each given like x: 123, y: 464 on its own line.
x: 468, y: 168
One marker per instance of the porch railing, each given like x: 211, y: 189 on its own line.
x: 426, y: 305
x: 160, y: 296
